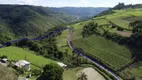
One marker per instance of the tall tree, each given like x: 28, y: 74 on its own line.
x: 82, y: 76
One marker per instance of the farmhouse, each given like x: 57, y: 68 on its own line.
x: 62, y: 64
x: 23, y: 64
x: 4, y: 60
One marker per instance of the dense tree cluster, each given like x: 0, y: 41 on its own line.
x: 119, y: 7
x: 135, y: 41
x: 45, y: 47
x: 52, y: 72
x: 90, y: 29
x: 4, y: 38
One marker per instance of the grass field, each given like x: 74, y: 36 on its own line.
x: 133, y: 70
x: 102, y: 21
x: 62, y: 42
x: 121, y: 23
x: 70, y: 74
x: 15, y: 53
x: 131, y: 19
x: 108, y: 52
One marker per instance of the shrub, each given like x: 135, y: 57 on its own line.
x: 36, y: 72
x: 4, y: 56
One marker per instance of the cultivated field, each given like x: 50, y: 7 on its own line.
x: 106, y: 51
x: 133, y: 70
x: 110, y: 53
x: 62, y: 41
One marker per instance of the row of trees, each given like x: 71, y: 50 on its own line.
x: 135, y: 41
x: 45, y: 47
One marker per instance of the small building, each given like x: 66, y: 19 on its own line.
x: 4, y: 60
x: 23, y: 64
x: 62, y: 64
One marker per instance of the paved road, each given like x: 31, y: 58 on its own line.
x: 70, y: 45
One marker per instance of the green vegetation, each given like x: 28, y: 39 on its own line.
x: 120, y: 6
x: 8, y: 73
x: 108, y: 52
x: 122, y: 25
x: 45, y: 47
x: 52, y: 72
x: 15, y: 53
x: 118, y: 21
x: 98, y: 38
x: 134, y: 71
x: 31, y: 21
x: 62, y: 41
x: 82, y: 13
x: 70, y: 74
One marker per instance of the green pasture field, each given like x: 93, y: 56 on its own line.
x: 15, y: 53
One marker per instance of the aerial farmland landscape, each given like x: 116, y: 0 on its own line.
x: 70, y: 40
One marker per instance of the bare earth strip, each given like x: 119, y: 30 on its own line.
x: 92, y: 74
x: 125, y: 34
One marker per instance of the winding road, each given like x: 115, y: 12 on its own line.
x: 70, y: 45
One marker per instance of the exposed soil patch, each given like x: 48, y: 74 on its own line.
x: 92, y: 74
x: 124, y: 33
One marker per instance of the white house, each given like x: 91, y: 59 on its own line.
x: 23, y: 64
x: 61, y: 64
x: 4, y: 60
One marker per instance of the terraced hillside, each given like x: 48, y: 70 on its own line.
x: 109, y: 53
x: 106, y: 51
x: 118, y: 21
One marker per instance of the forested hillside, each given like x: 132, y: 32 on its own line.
x: 31, y: 21
x: 81, y: 13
